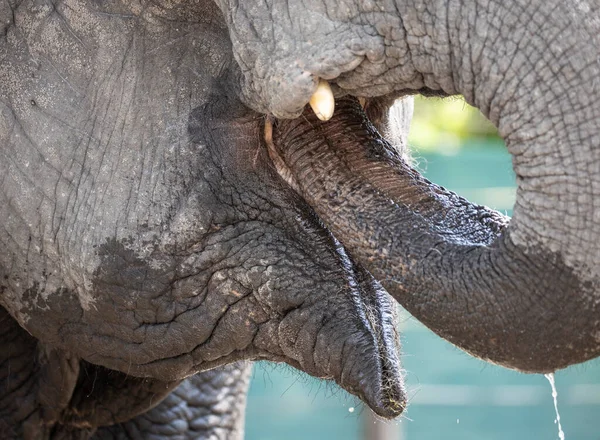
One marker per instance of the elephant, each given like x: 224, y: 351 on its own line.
x: 172, y: 209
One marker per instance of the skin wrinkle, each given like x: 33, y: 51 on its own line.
x: 156, y: 220
x: 240, y: 183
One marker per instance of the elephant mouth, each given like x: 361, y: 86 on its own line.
x: 500, y: 291
x: 360, y: 352
x: 377, y: 378
x: 380, y: 384
x: 371, y: 112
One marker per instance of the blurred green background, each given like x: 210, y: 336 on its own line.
x: 452, y: 395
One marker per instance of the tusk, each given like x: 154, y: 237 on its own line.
x: 322, y: 101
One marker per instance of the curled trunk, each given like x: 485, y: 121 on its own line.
x: 523, y: 294
x: 456, y: 266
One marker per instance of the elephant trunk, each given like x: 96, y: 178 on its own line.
x: 523, y: 294
x: 458, y: 267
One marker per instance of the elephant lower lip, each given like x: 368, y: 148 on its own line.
x: 374, y: 372
x: 381, y: 390
x: 386, y: 400
x: 390, y: 409
x: 359, y: 347
x: 384, y: 394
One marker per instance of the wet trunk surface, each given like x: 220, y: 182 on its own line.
x: 452, y: 264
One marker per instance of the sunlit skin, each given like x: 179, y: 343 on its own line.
x: 149, y: 245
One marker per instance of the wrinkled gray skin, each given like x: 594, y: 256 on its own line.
x: 525, y: 294
x: 149, y: 244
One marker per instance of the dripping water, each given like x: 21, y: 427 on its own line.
x: 550, y: 377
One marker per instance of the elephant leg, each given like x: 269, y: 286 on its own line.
x: 17, y: 377
x: 208, y: 405
x: 36, y: 383
x: 46, y: 393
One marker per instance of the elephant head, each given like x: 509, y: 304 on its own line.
x: 145, y: 233
x: 524, y: 293
x: 157, y: 221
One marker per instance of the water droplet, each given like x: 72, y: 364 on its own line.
x: 457, y: 421
x: 550, y: 377
x: 351, y: 409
